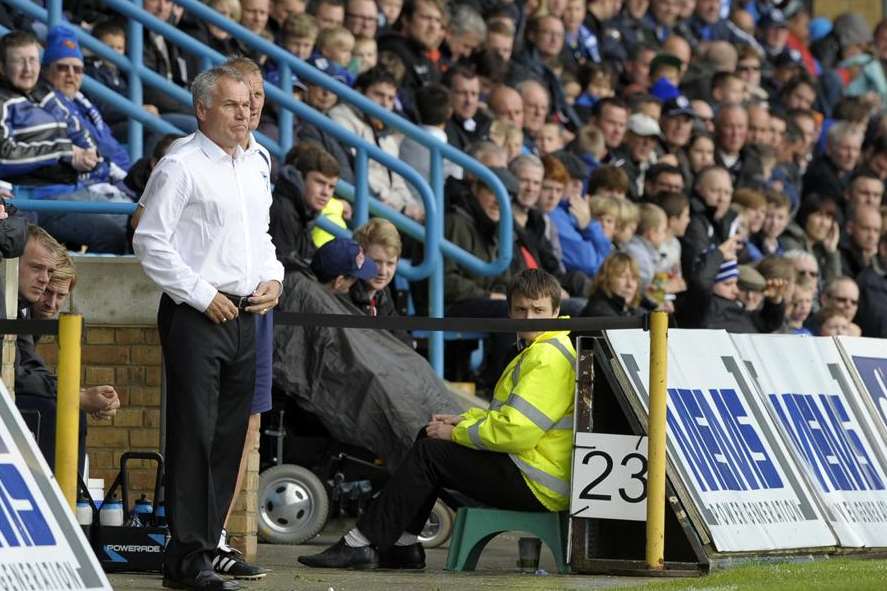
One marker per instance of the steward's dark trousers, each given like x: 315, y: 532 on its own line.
x: 210, y: 377
x: 408, y: 498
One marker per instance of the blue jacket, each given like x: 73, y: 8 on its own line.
x: 115, y: 159
x: 583, y: 250
x: 37, y: 136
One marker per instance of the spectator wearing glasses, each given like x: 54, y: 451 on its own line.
x: 842, y: 295
x: 362, y: 18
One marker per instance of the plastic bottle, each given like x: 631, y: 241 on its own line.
x: 160, y: 516
x: 112, y: 513
x: 143, y: 510
x: 84, y: 512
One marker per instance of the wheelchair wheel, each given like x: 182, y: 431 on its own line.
x: 293, y: 505
x: 438, y: 528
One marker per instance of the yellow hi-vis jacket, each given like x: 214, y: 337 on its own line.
x: 531, y: 417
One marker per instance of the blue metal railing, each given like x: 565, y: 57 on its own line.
x: 430, y: 234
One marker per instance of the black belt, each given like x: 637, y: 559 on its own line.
x: 240, y: 301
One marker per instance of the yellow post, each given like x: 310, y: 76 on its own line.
x: 67, y: 423
x: 656, y: 443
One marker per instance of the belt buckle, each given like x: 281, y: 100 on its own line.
x: 242, y: 302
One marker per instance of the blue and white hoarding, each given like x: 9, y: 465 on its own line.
x: 819, y: 411
x: 42, y: 548
x: 724, y: 446
x: 867, y: 361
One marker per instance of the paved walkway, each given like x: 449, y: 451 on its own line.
x: 496, y: 570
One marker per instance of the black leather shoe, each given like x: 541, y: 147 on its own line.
x: 340, y: 555
x: 410, y: 557
x: 205, y: 580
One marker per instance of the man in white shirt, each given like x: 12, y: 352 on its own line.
x: 203, y: 238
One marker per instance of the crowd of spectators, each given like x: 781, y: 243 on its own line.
x: 721, y: 160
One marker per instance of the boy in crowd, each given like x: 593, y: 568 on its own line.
x: 626, y: 223
x: 299, y: 35
x: 644, y: 246
x: 776, y: 219
x: 677, y: 212
x: 339, y: 263
x: 800, y: 306
x: 336, y: 45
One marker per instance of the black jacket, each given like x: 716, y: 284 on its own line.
x: 600, y: 304
x: 291, y: 220
x: 731, y: 316
x: 420, y: 71
x: 532, y: 238
x: 704, y: 234
x: 469, y: 228
x: 871, y: 316
x: 384, y: 303
x: 461, y: 134
x: 823, y: 177
x: 32, y: 377
x: 176, y: 71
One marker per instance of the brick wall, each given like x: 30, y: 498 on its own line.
x: 128, y: 358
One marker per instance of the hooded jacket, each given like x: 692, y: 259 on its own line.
x: 291, y: 220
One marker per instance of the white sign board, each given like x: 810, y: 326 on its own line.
x: 723, y: 445
x: 42, y: 548
x: 867, y: 360
x: 609, y: 478
x: 818, y: 409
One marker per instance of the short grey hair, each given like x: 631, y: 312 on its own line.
x: 529, y: 83
x: 205, y: 83
x: 466, y: 20
x: 797, y: 254
x: 842, y: 130
x: 525, y: 161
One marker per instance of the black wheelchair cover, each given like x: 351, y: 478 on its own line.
x: 367, y: 387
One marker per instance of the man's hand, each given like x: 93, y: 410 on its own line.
x: 446, y: 419
x: 729, y: 247
x: 84, y: 160
x: 265, y: 297
x: 221, y: 309
x: 775, y: 290
x: 497, y: 295
x: 3, y: 213
x: 832, y: 238
x: 581, y: 211
x: 439, y: 431
x: 101, y: 402
x: 151, y: 109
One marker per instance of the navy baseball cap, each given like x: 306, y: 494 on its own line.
x: 331, y: 69
x: 342, y: 256
x: 679, y: 105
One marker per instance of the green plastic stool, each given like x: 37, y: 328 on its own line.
x: 475, y: 527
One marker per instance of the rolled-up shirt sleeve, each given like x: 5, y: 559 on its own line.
x: 168, y: 193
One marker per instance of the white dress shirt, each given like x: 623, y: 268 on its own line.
x: 205, y: 226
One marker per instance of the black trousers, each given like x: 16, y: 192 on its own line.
x: 210, y: 376
x: 40, y: 416
x: 432, y: 464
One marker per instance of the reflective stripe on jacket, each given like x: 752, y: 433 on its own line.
x: 531, y: 417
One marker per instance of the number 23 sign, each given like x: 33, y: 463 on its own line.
x: 609, y: 477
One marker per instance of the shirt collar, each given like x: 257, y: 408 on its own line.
x: 213, y: 151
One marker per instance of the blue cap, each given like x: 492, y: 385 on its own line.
x: 664, y: 90
x: 342, y: 256
x: 819, y: 28
x: 61, y: 43
x: 331, y: 69
x: 728, y: 270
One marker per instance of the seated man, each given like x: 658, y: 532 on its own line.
x: 46, y: 267
x: 45, y: 145
x: 339, y: 263
x: 528, y: 430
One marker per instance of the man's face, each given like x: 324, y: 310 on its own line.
x: 319, y: 189
x: 51, y: 302
x: 488, y: 202
x: 281, y: 9
x: 383, y: 94
x: 668, y: 181
x: 775, y: 221
x: 162, y: 9
x: 866, y: 229
x: 732, y: 130
x: 612, y: 122
x: 254, y: 14
x: 866, y: 192
x: 639, y: 68
x: 844, y: 295
x: 465, y: 96
x: 329, y: 16
x: 775, y: 37
x: 677, y: 130
x: 749, y: 69
x: 256, y: 99
x: 844, y: 151
x: 462, y: 46
x: 523, y: 308
x: 666, y: 11
x: 34, y: 271
x: 801, y: 97
x: 426, y: 25
x: 22, y: 67
x: 530, y: 182
x: 640, y: 147
x: 508, y: 105
x: 320, y: 98
x: 574, y: 14
x: 386, y: 262
x: 501, y: 44
x: 808, y: 128
x: 549, y: 37
x: 759, y: 127
x: 709, y: 10
x: 729, y: 289
x: 362, y: 18
x: 226, y: 119
x: 535, y: 101
x: 66, y: 75
x: 550, y: 195
x: 716, y: 190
